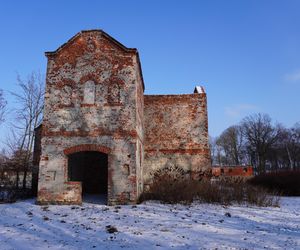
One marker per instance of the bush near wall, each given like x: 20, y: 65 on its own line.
x: 284, y: 182
x: 173, y: 188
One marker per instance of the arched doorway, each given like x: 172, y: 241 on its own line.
x: 91, y: 169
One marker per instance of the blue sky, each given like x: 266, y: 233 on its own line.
x: 245, y: 53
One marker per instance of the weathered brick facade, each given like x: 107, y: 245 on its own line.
x: 176, y: 134
x: 94, y: 102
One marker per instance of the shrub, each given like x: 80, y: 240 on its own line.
x: 173, y: 188
x: 9, y: 195
x: 261, y: 197
x: 227, y: 193
x: 284, y: 182
x: 170, y: 188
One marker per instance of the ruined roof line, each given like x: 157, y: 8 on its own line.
x: 173, y: 95
x: 198, y: 90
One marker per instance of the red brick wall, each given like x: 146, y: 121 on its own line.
x: 90, y: 57
x: 243, y: 171
x: 176, y: 133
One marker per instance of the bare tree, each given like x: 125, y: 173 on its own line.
x: 212, y: 146
x: 30, y: 102
x: 2, y: 106
x: 16, y: 159
x: 296, y: 142
x: 217, y: 156
x: 260, y: 136
x: 290, y: 147
x: 231, y: 142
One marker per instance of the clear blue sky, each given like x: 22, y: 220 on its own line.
x: 246, y: 53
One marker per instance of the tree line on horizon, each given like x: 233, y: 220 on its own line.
x: 256, y: 141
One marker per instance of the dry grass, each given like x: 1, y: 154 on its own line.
x: 169, y: 189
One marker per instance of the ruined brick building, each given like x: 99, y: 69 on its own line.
x: 101, y: 134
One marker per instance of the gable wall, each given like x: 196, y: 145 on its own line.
x: 82, y: 68
x: 90, y: 99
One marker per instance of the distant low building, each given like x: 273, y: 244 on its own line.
x: 228, y: 171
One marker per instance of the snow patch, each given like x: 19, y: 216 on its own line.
x: 151, y: 225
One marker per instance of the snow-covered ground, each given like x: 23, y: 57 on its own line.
x: 24, y: 225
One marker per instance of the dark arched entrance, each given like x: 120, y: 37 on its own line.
x: 90, y: 168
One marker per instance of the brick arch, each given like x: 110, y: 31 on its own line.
x: 66, y: 82
x: 114, y: 89
x: 90, y: 77
x: 116, y: 80
x: 87, y: 147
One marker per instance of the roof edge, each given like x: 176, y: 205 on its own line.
x: 140, y: 68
